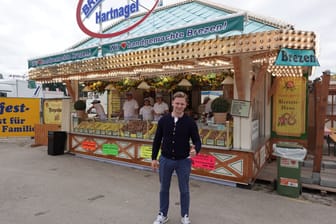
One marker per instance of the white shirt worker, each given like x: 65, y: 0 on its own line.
x: 130, y: 108
x: 146, y: 112
x: 159, y: 109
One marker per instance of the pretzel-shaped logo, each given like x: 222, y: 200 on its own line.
x: 90, y: 6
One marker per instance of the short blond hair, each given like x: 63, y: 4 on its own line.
x: 180, y: 94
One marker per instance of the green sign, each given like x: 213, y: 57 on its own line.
x: 219, y: 26
x: 70, y: 56
x: 296, y: 57
x: 31, y: 84
x: 110, y: 149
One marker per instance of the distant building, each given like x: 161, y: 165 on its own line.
x: 25, y: 88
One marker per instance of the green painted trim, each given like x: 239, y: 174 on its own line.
x: 65, y: 57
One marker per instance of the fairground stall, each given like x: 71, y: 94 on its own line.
x: 206, y: 50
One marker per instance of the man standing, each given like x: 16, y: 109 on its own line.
x: 173, y: 136
x: 130, y: 107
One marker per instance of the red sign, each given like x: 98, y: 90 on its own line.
x: 89, y: 146
x: 109, y: 35
x: 204, y: 161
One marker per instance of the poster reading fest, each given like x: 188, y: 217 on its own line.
x: 289, y: 106
x: 18, y: 116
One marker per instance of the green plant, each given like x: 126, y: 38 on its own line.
x: 80, y: 105
x: 220, y: 105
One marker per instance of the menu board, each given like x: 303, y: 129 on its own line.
x: 240, y: 108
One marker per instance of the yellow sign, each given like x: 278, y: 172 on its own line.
x: 18, y: 116
x: 289, y: 106
x: 146, y: 152
x: 52, y: 111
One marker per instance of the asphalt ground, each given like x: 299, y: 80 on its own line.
x: 36, y: 188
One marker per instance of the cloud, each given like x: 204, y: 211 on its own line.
x: 31, y: 29
x: 34, y: 28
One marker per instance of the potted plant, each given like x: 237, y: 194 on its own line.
x: 80, y: 107
x: 220, y: 106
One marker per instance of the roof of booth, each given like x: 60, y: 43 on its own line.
x: 254, y: 34
x: 180, y: 15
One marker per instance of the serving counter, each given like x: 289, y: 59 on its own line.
x: 130, y: 144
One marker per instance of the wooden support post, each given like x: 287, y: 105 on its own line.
x: 271, y: 90
x: 238, y: 77
x: 311, y: 138
x: 321, y: 89
x: 71, y: 91
x: 257, y: 82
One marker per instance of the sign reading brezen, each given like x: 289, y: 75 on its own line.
x: 296, y: 57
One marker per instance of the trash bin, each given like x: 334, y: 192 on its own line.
x: 56, y: 142
x: 289, y: 161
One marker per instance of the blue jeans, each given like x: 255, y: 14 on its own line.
x: 182, y: 169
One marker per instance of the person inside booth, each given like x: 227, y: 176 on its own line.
x: 146, y: 111
x: 160, y: 107
x: 130, y: 107
x: 99, y: 109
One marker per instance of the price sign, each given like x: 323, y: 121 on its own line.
x: 110, y: 149
x: 89, y: 146
x: 204, y: 161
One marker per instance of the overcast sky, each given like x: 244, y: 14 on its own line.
x: 30, y: 29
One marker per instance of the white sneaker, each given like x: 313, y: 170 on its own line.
x: 185, y: 220
x: 160, y: 219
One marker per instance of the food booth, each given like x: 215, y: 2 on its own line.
x: 206, y: 45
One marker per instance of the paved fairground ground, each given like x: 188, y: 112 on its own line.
x: 36, y: 188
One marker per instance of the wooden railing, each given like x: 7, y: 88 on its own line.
x: 41, y: 133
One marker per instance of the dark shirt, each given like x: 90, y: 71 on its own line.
x: 174, y: 138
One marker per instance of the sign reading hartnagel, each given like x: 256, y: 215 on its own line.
x: 85, y: 10
x: 18, y: 116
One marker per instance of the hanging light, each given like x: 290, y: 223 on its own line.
x: 87, y: 89
x: 143, y: 85
x: 228, y: 81
x: 185, y: 83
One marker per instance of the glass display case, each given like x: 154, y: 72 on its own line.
x: 211, y: 134
x: 216, y: 134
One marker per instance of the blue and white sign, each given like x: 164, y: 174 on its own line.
x: 296, y: 57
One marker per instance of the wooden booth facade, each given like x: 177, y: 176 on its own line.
x: 246, y: 52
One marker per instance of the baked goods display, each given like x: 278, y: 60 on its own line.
x: 137, y: 126
x: 146, y: 130
x: 203, y: 133
x: 215, y: 137
x: 133, y: 128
